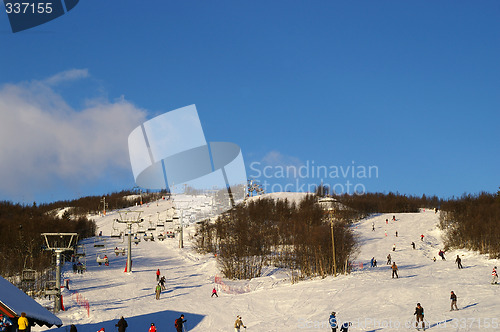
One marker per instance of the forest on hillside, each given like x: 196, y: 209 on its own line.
x: 473, y: 222
x: 278, y: 233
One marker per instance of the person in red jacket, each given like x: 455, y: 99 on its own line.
x: 152, y: 328
x: 158, y: 275
x: 495, y: 276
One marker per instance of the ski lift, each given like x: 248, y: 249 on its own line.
x: 98, y: 244
x: 149, y: 237
x: 140, y: 229
x: 80, y: 251
x: 115, y: 233
x: 119, y: 251
x: 161, y: 237
x: 102, y: 259
x: 136, y: 240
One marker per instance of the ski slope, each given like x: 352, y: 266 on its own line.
x: 368, y: 297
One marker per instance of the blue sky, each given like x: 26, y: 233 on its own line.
x: 409, y: 87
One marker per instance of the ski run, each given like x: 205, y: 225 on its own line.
x: 369, y: 297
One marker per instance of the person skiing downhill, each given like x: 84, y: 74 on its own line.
x: 333, y: 321
x: 345, y: 327
x: 158, y: 291
x: 419, y: 311
x: 389, y: 259
x: 459, y: 262
x: 422, y: 237
x: 394, y: 247
x: 394, y: 268
x: 441, y: 254
x: 162, y: 283
x: 453, y: 299
x: 371, y: 262
x: 495, y: 276
x: 413, y: 245
x: 122, y: 325
x: 238, y: 324
x: 214, y: 292
x: 373, y: 226
x: 152, y: 328
x: 179, y: 323
x: 157, y: 275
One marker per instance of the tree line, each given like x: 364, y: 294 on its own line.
x: 266, y: 232
x: 21, y: 243
x: 473, y: 222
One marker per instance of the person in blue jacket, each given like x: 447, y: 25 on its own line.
x: 333, y: 321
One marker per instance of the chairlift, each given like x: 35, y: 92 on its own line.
x: 119, y: 251
x: 149, y: 237
x: 161, y: 237
x: 140, y: 229
x: 98, y: 244
x: 115, y: 233
x: 100, y: 258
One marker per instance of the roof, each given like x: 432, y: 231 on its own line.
x: 13, y: 301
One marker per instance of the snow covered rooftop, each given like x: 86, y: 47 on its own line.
x: 15, y: 301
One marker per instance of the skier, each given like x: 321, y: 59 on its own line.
x: 162, y: 282
x: 345, y: 327
x: 374, y: 262
x: 371, y: 262
x: 387, y: 221
x: 394, y: 268
x: 453, y: 299
x: 396, y: 233
x: 179, y: 323
x: 434, y: 258
x: 495, y: 276
x: 419, y: 311
x: 393, y: 218
x: 389, y: 259
x: 152, y: 328
x: 238, y: 324
x: 214, y: 292
x: 459, y: 262
x: 23, y: 323
x: 333, y: 321
x: 122, y: 325
x: 386, y: 233
x: 106, y: 260
x: 441, y: 253
x: 158, y: 291
x: 413, y: 245
x: 373, y: 226
x: 157, y: 275
x: 394, y: 247
x: 422, y: 237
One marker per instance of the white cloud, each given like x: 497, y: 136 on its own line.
x: 68, y: 75
x: 276, y: 158
x: 46, y: 143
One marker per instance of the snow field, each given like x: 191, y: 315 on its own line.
x: 369, y: 298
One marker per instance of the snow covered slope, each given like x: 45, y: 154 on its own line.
x: 369, y: 297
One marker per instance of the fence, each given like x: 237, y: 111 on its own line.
x: 81, y: 301
x: 231, y: 289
